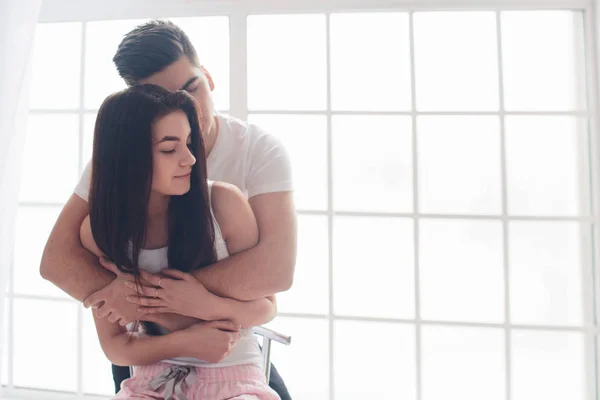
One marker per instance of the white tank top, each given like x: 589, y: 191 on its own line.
x: 246, y: 351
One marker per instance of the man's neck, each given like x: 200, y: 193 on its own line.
x: 212, y: 138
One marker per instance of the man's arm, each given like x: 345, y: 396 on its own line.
x: 184, y: 294
x: 181, y: 293
x: 75, y: 270
x: 65, y: 262
x: 247, y: 314
x: 267, y: 268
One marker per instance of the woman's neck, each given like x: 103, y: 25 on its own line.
x: 158, y: 205
x: 156, y: 223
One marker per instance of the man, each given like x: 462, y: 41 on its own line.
x: 160, y: 53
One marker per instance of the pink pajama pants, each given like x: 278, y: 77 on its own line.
x: 175, y: 382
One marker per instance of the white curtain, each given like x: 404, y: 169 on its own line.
x: 18, y: 19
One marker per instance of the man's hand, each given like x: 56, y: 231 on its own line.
x: 173, y: 291
x: 212, y: 341
x: 110, y: 301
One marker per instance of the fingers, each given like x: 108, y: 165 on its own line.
x: 146, y: 301
x: 102, y: 311
x: 227, y: 326
x: 151, y: 278
x: 154, y: 310
x: 176, y: 274
x: 143, y: 290
x: 109, y: 266
x: 112, y: 317
x: 94, y: 299
x: 124, y: 322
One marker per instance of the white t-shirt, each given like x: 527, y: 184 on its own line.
x: 243, y: 155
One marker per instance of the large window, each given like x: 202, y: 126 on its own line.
x: 445, y: 185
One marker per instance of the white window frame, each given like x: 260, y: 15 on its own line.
x: 237, y: 11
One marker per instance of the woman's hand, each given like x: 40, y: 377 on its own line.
x: 212, y: 341
x: 173, y: 291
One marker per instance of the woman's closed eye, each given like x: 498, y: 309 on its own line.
x: 171, y: 151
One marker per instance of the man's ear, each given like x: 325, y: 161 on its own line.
x: 211, y: 83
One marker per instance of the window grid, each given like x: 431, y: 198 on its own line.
x: 416, y: 226
x: 239, y: 109
x: 591, y: 289
x: 487, y: 217
x: 80, y: 166
x: 330, y: 215
x: 505, y: 235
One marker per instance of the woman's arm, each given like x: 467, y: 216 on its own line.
x: 122, y: 348
x: 209, y: 341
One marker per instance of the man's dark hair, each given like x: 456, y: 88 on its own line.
x: 150, y: 48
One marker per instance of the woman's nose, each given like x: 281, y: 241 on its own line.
x: 189, y: 159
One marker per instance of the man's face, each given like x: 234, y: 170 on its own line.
x: 183, y: 75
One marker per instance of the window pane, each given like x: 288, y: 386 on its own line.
x: 547, y: 365
x: 374, y: 361
x: 56, y: 66
x: 309, y: 294
x: 372, y: 163
x: 368, y: 77
x: 463, y: 363
x: 545, y: 273
x: 210, y: 38
x: 101, y: 76
x: 304, y: 365
x: 456, y: 61
x: 545, y: 167
x: 33, y: 229
x: 287, y: 62
x: 543, y: 67
x: 45, y: 344
x: 459, y: 165
x: 305, y: 139
x: 461, y: 271
x: 97, y: 374
x: 373, y: 260
x: 50, y: 158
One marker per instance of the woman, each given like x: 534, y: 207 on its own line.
x: 152, y: 210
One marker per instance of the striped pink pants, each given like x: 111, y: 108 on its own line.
x: 174, y: 382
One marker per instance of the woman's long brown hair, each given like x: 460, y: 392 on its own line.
x: 122, y: 178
